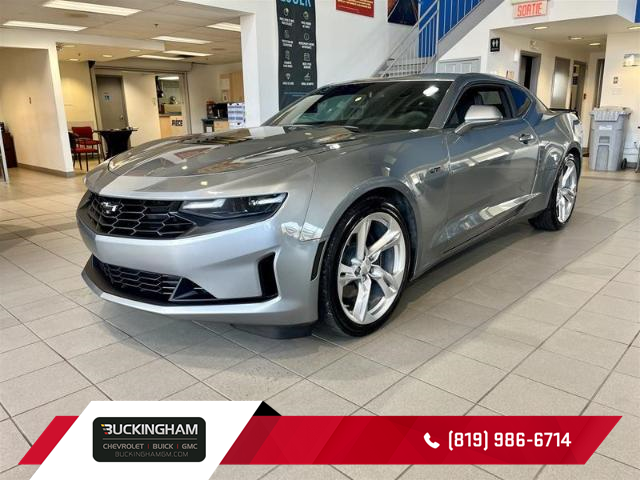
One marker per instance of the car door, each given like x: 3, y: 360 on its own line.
x: 492, y: 167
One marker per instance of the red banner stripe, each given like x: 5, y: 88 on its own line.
x: 48, y: 440
x: 401, y: 440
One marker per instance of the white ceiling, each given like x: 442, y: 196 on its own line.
x: 157, y: 17
x: 592, y: 30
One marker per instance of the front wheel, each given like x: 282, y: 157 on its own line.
x: 563, y: 198
x: 365, y: 267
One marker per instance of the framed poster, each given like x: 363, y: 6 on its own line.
x: 404, y: 12
x: 297, y: 68
x: 359, y: 7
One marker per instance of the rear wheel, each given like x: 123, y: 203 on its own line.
x: 365, y: 267
x: 563, y: 198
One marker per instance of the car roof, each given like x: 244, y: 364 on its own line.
x: 450, y: 77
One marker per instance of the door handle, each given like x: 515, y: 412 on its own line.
x: 525, y: 138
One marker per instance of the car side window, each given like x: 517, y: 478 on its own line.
x: 493, y: 95
x: 521, y: 100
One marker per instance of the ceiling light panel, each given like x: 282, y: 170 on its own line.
x: 44, y: 26
x: 168, y: 38
x: 158, y: 57
x: 90, y: 7
x: 232, y: 27
x: 189, y: 54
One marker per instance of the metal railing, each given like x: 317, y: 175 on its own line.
x: 413, y: 53
x: 420, y: 46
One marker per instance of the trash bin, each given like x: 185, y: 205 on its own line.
x: 606, y: 144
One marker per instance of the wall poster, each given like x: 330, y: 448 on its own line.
x: 404, y: 12
x: 297, y: 70
x: 359, y: 7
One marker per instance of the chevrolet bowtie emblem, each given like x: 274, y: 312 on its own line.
x: 109, y: 208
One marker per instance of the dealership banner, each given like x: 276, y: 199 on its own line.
x: 297, y: 69
x: 359, y: 7
x: 168, y: 440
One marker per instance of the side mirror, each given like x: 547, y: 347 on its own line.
x: 479, y: 115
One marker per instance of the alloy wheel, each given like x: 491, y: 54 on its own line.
x: 567, y: 190
x: 372, y: 267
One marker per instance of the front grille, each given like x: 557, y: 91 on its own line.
x: 151, y: 285
x: 136, y: 218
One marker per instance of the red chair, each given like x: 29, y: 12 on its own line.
x: 85, y: 139
x: 77, y: 149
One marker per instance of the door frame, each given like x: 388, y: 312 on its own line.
x: 582, y: 76
x: 96, y: 96
x: 535, y: 69
x: 106, y: 71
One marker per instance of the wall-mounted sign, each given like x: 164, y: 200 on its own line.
x: 359, y: 7
x: 297, y: 70
x: 404, y: 12
x: 528, y: 8
x: 494, y: 44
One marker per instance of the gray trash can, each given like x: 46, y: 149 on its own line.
x: 606, y: 144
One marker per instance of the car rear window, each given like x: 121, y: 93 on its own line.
x: 521, y: 100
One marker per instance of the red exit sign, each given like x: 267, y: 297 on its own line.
x: 529, y: 9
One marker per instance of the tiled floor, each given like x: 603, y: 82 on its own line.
x: 527, y: 322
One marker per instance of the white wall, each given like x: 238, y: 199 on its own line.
x: 33, y: 110
x: 508, y: 59
x: 627, y: 92
x: 142, y: 106
x: 77, y: 94
x: 348, y: 47
x: 203, y: 82
x: 352, y: 47
x: 476, y: 42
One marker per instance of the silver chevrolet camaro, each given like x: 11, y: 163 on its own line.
x: 331, y: 207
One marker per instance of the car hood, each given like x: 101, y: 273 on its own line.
x: 231, y: 151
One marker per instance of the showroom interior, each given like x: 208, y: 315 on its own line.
x: 525, y: 322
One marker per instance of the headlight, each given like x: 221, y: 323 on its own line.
x: 226, y: 208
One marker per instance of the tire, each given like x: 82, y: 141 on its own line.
x: 554, y: 217
x: 344, y: 304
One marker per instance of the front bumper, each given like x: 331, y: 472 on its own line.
x: 225, y: 264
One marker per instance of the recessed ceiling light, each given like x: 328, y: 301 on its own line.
x: 68, y: 46
x: 173, y: 77
x: 45, y: 26
x: 107, y: 55
x: 90, y: 7
x: 576, y: 38
x: 190, y: 54
x: 541, y: 27
x: 158, y: 57
x: 168, y: 38
x: 74, y: 60
x: 233, y: 27
x: 594, y: 44
x: 634, y: 27
x: 135, y: 50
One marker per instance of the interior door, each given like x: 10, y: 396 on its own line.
x: 561, y: 80
x: 492, y: 168
x: 111, y: 102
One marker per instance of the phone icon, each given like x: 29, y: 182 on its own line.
x: 427, y: 438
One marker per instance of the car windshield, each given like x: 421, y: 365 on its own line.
x: 367, y: 106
